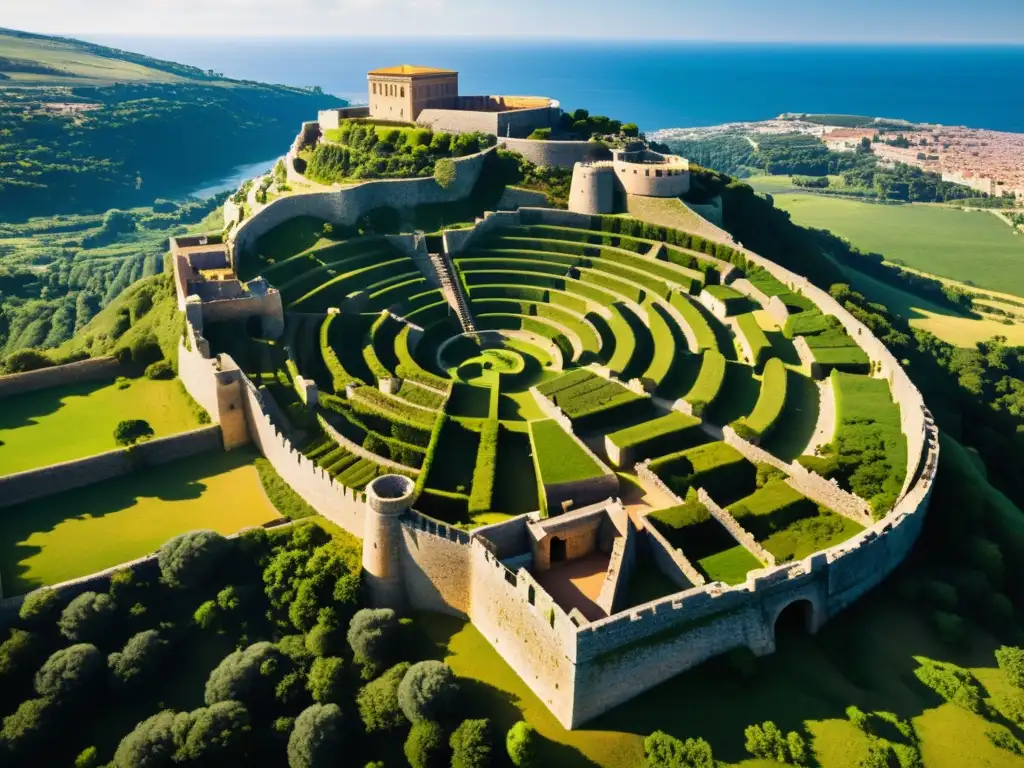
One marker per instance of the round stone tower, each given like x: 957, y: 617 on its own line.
x: 387, y: 497
x: 593, y: 188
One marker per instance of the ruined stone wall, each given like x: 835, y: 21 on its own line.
x: 56, y: 478
x: 345, y: 206
x: 807, y: 482
x: 534, y: 636
x: 436, y: 566
x: 737, y: 531
x: 671, y: 561
x: 94, y: 369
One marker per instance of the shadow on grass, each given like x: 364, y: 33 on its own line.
x: 738, y: 396
x: 24, y: 410
x: 179, y: 481
x: 723, y: 339
x: 798, y: 420
x: 515, y: 482
x: 783, y: 348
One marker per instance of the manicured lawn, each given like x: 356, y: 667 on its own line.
x: 85, y: 530
x: 968, y: 246
x: 558, y: 457
x: 730, y: 565
x: 772, y: 399
x: 795, y: 426
x: 515, y: 482
x: 64, y: 423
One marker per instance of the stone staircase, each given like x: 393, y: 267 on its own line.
x: 452, y: 290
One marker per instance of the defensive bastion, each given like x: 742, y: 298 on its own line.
x: 580, y: 668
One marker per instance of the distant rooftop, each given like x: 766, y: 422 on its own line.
x: 411, y: 70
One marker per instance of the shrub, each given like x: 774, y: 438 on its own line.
x: 244, y: 675
x: 1005, y: 740
x: 316, y: 738
x: 664, y: 751
x: 766, y: 742
x: 217, y: 735
x: 40, y: 607
x: 138, y: 657
x: 952, y: 683
x: 131, y: 431
x: 69, y: 672
x: 88, y: 758
x: 950, y: 628
x: 425, y: 747
x: 859, y: 718
x: 19, y: 653
x: 444, y: 172
x: 371, y: 635
x: 188, y: 560
x: 523, y: 745
x: 326, y: 679
x: 378, y: 701
x: 472, y: 744
x: 28, y: 725
x: 161, y: 369
x: 25, y: 360
x: 427, y: 691
x: 87, y: 618
x: 1011, y: 660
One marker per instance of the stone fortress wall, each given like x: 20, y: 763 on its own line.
x: 93, y: 369
x: 634, y: 170
x: 578, y: 668
x: 509, y: 116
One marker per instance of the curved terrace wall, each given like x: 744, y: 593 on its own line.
x: 345, y: 206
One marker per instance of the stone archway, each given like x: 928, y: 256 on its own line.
x: 796, y: 616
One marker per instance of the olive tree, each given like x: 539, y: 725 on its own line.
x: 68, y: 672
x: 316, y: 738
x: 189, y: 559
x: 138, y: 657
x: 372, y: 635
x: 88, y: 617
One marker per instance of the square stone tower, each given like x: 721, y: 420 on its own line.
x: 402, y: 92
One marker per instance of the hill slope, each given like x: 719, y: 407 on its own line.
x: 84, y: 127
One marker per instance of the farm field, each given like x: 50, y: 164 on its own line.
x: 86, y: 530
x: 864, y: 656
x: 64, y: 423
x: 969, y: 246
x: 959, y: 330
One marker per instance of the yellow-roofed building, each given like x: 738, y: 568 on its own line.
x: 402, y: 92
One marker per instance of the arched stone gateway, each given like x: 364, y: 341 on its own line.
x: 799, y: 614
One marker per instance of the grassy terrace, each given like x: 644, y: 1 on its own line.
x: 705, y: 543
x: 70, y: 422
x: 734, y: 301
x: 673, y: 432
x: 559, y: 458
x: 771, y: 401
x: 789, y: 525
x: 716, y: 467
x: 88, y: 529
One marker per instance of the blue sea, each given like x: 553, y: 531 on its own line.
x: 657, y: 85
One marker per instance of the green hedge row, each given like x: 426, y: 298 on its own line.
x: 334, y: 291
x: 418, y: 395
x: 482, y: 493
x: 559, y: 458
x: 760, y: 347
x: 668, y: 344
x: 372, y: 401
x: 340, y: 378
x: 709, y: 382
x: 580, y: 236
x: 770, y: 402
x: 408, y: 368
x: 657, y: 437
x: 546, y: 296
x: 379, y: 346
x: 302, y: 284
x: 693, y: 316
x: 734, y: 301
x: 718, y: 468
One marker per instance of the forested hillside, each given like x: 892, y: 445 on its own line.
x: 84, y: 128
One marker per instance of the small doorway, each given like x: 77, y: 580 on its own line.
x: 795, y: 619
x: 557, y: 550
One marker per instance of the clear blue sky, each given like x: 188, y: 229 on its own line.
x: 920, y: 21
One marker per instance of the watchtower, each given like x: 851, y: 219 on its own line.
x: 387, y: 497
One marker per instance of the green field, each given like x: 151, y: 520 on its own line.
x: 863, y: 657
x: 973, y: 247
x: 85, y: 530
x: 64, y: 423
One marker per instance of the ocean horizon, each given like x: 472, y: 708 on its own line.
x: 658, y: 85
